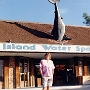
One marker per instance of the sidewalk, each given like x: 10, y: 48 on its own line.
x: 77, y: 87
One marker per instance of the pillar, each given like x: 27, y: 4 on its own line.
x: 80, y: 76
x: 17, y: 61
x: 11, y: 73
x: 32, y: 77
x: 6, y: 72
x: 85, y: 66
x: 28, y: 72
x: 76, y: 69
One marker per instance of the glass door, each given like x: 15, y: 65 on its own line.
x: 60, y: 70
x: 64, y: 72
x: 24, y: 72
x: 70, y: 72
x: 38, y: 78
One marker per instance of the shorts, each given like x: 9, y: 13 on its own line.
x: 47, y: 81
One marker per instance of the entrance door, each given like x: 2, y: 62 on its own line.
x: 60, y: 71
x: 70, y: 73
x: 38, y: 79
x: 64, y: 72
x: 24, y: 72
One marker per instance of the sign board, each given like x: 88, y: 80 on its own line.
x: 21, y: 47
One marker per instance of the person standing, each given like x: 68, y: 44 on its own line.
x: 47, y: 70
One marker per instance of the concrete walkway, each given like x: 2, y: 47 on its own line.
x: 78, y: 87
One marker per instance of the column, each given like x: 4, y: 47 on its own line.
x: 11, y: 73
x: 76, y: 69
x: 28, y: 72
x: 6, y: 72
x: 80, y: 77
x: 85, y: 67
x: 17, y: 61
x: 32, y: 77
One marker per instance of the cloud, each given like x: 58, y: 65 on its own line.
x: 63, y: 10
x: 82, y: 4
x: 17, y: 1
x: 2, y: 2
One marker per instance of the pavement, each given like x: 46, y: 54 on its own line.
x: 76, y: 87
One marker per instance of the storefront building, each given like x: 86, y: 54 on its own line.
x: 19, y: 59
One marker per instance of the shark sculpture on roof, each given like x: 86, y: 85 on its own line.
x: 58, y: 31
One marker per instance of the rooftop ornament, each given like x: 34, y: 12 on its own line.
x: 58, y: 31
x: 54, y: 1
x: 9, y: 41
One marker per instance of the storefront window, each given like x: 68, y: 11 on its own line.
x: 1, y: 71
x: 37, y: 71
x: 24, y: 72
x: 88, y: 64
x: 1, y: 74
x: 22, y: 77
x: 23, y: 66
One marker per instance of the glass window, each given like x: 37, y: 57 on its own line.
x: 88, y: 65
x: 21, y: 66
x: 1, y: 70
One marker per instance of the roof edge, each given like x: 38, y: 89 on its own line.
x: 41, y: 23
x: 79, y: 26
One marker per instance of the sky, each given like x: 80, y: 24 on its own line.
x: 42, y: 11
